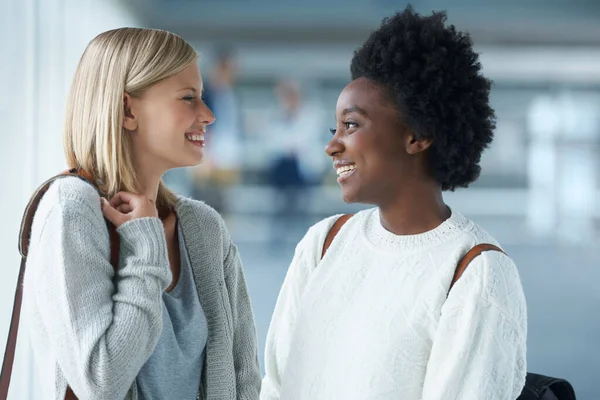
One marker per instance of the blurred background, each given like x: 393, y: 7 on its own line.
x: 273, y: 70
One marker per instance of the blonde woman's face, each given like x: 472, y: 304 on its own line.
x: 168, y: 121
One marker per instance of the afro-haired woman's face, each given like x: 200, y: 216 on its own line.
x: 374, y: 154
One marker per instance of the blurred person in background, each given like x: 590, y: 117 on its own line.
x: 294, y: 149
x: 224, y: 159
x: 174, y: 320
x: 374, y: 316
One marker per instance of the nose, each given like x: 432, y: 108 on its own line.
x: 334, y: 146
x: 204, y: 115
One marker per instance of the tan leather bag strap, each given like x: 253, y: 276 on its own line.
x: 467, y: 258
x: 24, y: 236
x: 460, y: 268
x: 333, y: 231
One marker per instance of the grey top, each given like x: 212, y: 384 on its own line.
x: 95, y: 329
x: 173, y: 370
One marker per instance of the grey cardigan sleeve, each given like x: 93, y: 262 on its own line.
x: 245, y: 352
x: 101, y: 327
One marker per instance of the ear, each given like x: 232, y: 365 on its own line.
x: 130, y: 121
x: 415, y: 146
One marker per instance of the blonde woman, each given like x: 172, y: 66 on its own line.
x: 174, y: 321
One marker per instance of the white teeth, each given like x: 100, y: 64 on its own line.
x: 194, y: 138
x: 345, y: 169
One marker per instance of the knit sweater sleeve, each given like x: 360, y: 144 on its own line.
x: 479, y: 347
x: 305, y: 260
x: 101, y: 327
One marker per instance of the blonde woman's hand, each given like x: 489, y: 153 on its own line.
x: 125, y: 206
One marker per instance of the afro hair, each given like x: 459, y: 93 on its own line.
x: 433, y: 76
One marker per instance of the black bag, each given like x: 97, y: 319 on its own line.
x: 540, y: 387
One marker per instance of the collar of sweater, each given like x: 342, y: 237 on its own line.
x: 385, y: 240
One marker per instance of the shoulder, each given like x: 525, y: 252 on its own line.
x: 198, y: 209
x: 491, y: 287
x: 320, y: 229
x: 463, y: 234
x: 492, y: 276
x: 315, y: 235
x: 73, y: 188
x: 311, y: 244
x: 70, y: 207
x: 71, y: 195
x: 495, y: 274
x: 201, y: 218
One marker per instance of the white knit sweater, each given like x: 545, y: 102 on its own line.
x: 372, y: 321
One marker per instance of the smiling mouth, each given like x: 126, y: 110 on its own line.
x: 195, y: 138
x: 345, y: 170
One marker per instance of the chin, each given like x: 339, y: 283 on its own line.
x: 356, y: 196
x: 349, y: 196
x: 186, y: 164
x: 194, y: 162
x: 197, y: 162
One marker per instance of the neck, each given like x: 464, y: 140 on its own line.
x: 414, y: 211
x: 148, y: 186
x: 148, y: 179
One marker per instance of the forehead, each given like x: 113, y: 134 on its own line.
x: 363, y: 93
x: 191, y: 74
x: 188, y: 78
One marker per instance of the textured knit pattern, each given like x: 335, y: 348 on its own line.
x: 95, y: 329
x: 372, y: 320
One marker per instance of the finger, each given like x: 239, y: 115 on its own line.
x: 111, y: 214
x: 122, y: 197
x: 124, y: 208
x: 116, y: 202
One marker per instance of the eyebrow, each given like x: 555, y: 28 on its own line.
x: 190, y: 88
x: 356, y: 109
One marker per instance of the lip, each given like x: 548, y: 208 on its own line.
x: 196, y: 132
x: 199, y: 143
x: 345, y: 177
x: 344, y: 163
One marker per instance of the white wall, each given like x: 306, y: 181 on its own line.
x: 40, y: 44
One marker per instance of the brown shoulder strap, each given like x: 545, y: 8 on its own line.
x: 31, y: 208
x: 467, y: 258
x: 24, y: 236
x: 335, y: 228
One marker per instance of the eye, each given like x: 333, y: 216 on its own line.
x: 333, y: 130
x: 189, y: 98
x: 350, y: 125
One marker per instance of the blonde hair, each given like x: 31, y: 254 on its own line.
x: 125, y: 60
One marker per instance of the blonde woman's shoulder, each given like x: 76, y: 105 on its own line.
x: 72, y: 192
x: 72, y: 197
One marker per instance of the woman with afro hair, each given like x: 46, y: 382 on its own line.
x: 373, y: 317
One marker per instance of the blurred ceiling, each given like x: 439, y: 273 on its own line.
x: 491, y: 22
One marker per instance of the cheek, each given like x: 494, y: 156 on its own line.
x: 379, y: 158
x: 182, y: 117
x: 162, y: 124
x: 365, y: 150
